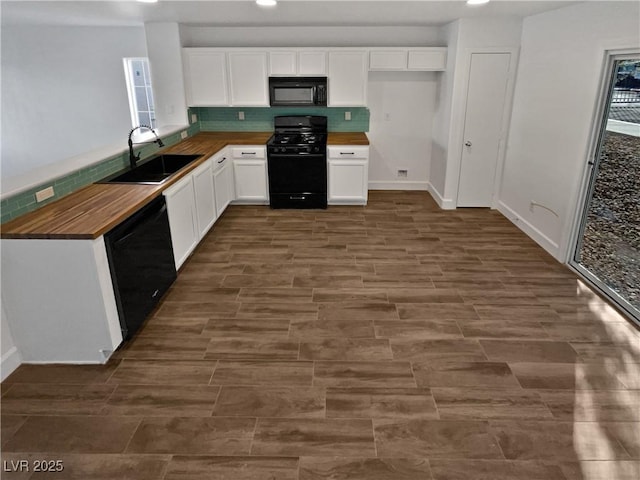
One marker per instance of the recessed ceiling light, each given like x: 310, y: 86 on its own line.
x: 148, y: 1
x: 266, y: 3
x: 477, y: 2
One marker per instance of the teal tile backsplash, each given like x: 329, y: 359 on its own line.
x: 25, y: 201
x: 260, y: 119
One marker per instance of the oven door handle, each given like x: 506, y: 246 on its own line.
x: 275, y: 156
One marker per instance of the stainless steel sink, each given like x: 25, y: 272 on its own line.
x: 154, y: 171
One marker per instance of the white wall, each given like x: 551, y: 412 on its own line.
x: 289, y: 36
x: 464, y: 37
x: 442, y: 120
x: 402, y: 106
x: 559, y: 72
x: 165, y: 62
x: 63, y: 92
x: 10, y: 355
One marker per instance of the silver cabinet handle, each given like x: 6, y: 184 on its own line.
x: 467, y: 143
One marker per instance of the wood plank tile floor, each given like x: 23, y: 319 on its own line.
x: 393, y: 341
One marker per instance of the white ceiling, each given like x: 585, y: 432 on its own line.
x: 247, y: 13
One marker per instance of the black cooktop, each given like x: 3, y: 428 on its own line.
x: 306, y: 138
x: 298, y: 134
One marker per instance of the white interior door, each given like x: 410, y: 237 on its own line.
x: 486, y: 97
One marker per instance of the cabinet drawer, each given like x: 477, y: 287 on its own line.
x: 248, y: 152
x: 347, y: 152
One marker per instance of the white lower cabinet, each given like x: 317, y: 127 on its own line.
x: 250, y: 180
x: 181, y: 207
x: 250, y: 174
x: 222, y: 181
x: 348, y: 175
x: 206, y: 212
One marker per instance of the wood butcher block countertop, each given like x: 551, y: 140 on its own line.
x: 95, y: 209
x: 347, y: 138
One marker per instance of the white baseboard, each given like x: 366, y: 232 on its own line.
x: 443, y: 203
x: 9, y: 362
x: 536, y: 235
x: 424, y: 186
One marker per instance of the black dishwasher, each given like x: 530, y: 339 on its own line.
x: 141, y: 261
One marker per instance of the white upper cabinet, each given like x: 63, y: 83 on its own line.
x: 348, y: 78
x: 312, y: 63
x: 240, y: 77
x: 427, y: 59
x: 298, y: 62
x: 248, y: 78
x: 205, y: 75
x: 388, y: 60
x: 283, y: 63
x: 403, y: 59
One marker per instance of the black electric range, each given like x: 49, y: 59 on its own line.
x: 297, y: 162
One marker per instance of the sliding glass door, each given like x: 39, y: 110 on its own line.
x: 607, y: 250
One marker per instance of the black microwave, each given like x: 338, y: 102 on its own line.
x: 298, y: 91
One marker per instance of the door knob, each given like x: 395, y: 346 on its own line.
x: 467, y: 143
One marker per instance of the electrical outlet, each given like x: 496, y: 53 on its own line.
x: 402, y: 173
x: 43, y: 194
x: 194, y: 118
x: 183, y: 134
x: 347, y: 115
x: 240, y: 115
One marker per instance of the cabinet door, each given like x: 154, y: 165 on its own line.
x: 347, y: 78
x: 204, y: 197
x: 205, y: 77
x: 250, y: 180
x: 282, y: 63
x: 388, y: 60
x: 312, y: 63
x: 428, y: 59
x: 222, y: 186
x: 348, y: 181
x: 248, y: 79
x: 182, y: 219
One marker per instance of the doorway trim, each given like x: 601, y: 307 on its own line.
x: 583, y: 195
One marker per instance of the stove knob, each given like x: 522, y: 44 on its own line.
x: 316, y: 148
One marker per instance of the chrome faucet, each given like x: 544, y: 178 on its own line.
x: 134, y: 158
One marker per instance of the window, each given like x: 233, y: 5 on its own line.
x: 140, y: 95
